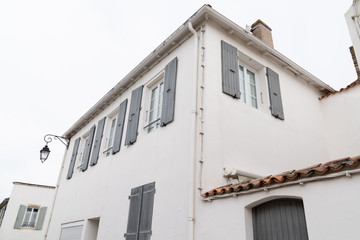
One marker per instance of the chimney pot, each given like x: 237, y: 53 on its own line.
x: 262, y: 31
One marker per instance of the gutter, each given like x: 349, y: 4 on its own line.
x: 301, y: 182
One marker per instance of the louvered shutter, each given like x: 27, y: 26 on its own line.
x: 132, y: 230
x: 97, y: 142
x: 19, y: 217
x: 73, y: 159
x: 119, y: 127
x: 168, y: 103
x: 230, y: 70
x: 87, y: 151
x: 146, y: 211
x: 281, y: 219
x: 41, y: 218
x: 275, y: 94
x: 134, y: 114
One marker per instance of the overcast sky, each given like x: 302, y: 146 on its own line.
x: 58, y: 58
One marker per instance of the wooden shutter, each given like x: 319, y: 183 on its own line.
x: 41, y: 218
x: 168, y: 103
x: 275, y: 94
x: 119, y: 127
x: 97, y: 142
x: 280, y: 219
x: 132, y: 230
x: 146, y: 211
x: 230, y: 70
x: 134, y: 114
x: 87, y: 150
x: 19, y: 217
x: 73, y: 159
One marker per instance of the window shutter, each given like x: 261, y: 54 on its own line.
x: 134, y: 114
x: 97, y: 143
x: 87, y: 151
x: 230, y: 70
x: 168, y: 104
x: 146, y: 211
x: 275, y: 94
x: 119, y: 127
x: 73, y: 159
x: 41, y: 218
x: 19, y: 217
x: 280, y: 219
x: 132, y: 231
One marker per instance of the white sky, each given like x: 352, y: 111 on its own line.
x: 58, y: 58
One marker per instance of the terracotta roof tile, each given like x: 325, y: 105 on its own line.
x: 293, y: 175
x: 353, y: 84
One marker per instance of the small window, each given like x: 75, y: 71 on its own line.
x: 156, y: 100
x: 110, y: 140
x: 248, y: 87
x: 30, y: 217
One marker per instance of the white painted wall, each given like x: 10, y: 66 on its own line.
x: 331, y: 210
x: 342, y: 115
x: 162, y: 156
x: 353, y: 22
x: 240, y: 136
x: 26, y: 195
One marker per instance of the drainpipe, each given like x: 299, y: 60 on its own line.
x: 56, y: 191
x: 191, y: 214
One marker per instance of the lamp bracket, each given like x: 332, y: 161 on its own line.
x: 49, y: 137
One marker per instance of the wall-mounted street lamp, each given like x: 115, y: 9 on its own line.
x: 45, y: 151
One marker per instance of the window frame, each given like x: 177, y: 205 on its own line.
x: 83, y: 143
x: 31, y: 223
x: 110, y: 130
x: 245, y: 87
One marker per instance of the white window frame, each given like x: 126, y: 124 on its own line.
x: 110, y: 129
x: 29, y: 220
x: 83, y: 141
x: 245, y: 86
x: 152, y: 122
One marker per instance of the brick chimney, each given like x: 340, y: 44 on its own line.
x: 262, y: 31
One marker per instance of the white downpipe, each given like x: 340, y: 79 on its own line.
x: 56, y: 191
x: 193, y: 144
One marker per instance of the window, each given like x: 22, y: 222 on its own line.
x: 248, y: 86
x: 110, y: 139
x: 83, y: 155
x: 155, y: 106
x: 71, y: 231
x: 140, y: 212
x: 30, y: 217
x: 280, y: 219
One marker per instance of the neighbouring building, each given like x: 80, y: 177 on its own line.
x: 199, y: 142
x: 26, y: 214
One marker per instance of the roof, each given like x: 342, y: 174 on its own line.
x: 294, y: 176
x: 33, y: 185
x: 4, y: 202
x: 204, y: 14
x: 351, y: 85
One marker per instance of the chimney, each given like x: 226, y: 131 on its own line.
x: 262, y: 31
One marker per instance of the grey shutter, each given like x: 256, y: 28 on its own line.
x: 119, y: 127
x: 134, y: 114
x: 132, y: 230
x: 168, y: 103
x: 97, y: 142
x: 19, y: 217
x: 146, y: 211
x: 41, y: 218
x: 230, y: 70
x: 73, y: 159
x: 87, y: 151
x: 275, y: 94
x: 281, y: 219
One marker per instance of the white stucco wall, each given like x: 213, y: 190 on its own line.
x: 331, y: 210
x: 23, y: 194
x: 239, y: 136
x: 162, y: 156
x: 342, y: 114
x: 353, y: 22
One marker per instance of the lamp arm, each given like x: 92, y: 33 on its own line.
x: 49, y: 137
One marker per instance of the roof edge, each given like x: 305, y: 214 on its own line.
x: 33, y: 185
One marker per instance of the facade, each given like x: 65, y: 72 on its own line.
x: 214, y: 105
x: 26, y: 214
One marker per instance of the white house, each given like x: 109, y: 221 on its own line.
x: 186, y: 145
x: 26, y: 214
